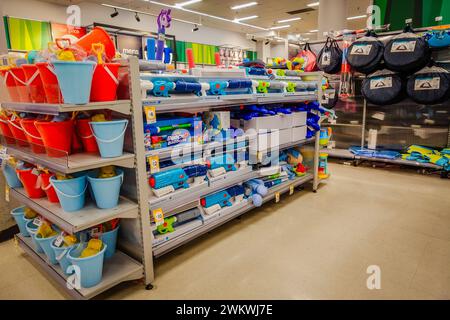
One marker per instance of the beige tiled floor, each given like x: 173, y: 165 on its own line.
x: 309, y: 246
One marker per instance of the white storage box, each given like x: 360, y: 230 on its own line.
x: 299, y: 133
x: 268, y: 140
x: 266, y: 123
x: 299, y: 119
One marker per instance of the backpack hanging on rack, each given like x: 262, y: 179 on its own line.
x: 431, y: 85
x: 366, y: 53
x: 407, y: 52
x: 309, y: 57
x: 330, y: 57
x: 383, y: 87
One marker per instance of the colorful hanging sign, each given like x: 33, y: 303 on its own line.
x: 60, y: 30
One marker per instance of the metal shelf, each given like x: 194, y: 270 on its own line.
x: 225, y: 216
x: 73, y: 222
x: 122, y: 106
x: 71, y: 163
x: 287, y: 97
x: 292, y: 144
x: 118, y: 269
x: 190, y: 197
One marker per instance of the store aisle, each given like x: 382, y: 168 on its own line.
x: 306, y: 247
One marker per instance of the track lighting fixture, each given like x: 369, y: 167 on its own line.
x: 115, y: 13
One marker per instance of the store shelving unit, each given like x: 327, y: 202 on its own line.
x: 135, y: 233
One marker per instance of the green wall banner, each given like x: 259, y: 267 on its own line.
x: 26, y: 34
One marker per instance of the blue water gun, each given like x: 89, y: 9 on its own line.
x: 258, y: 71
x: 223, y: 161
x: 196, y: 170
x: 241, y: 84
x: 236, y: 190
x: 176, y: 178
x: 260, y: 109
x: 283, y: 110
x: 161, y: 88
x: 221, y: 198
x: 217, y: 88
x: 270, y: 184
x: 188, y: 87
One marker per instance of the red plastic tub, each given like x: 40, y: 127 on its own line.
x: 32, y: 135
x: 57, y: 137
x: 105, y: 82
x: 17, y: 132
x: 98, y: 35
x: 21, y: 84
x: 50, y: 83
x: 8, y: 79
x: 35, y: 86
x: 84, y: 131
x: 6, y: 131
x: 48, y: 188
x: 29, y: 179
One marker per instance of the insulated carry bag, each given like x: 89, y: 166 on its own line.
x: 383, y: 87
x: 429, y: 85
x: 330, y: 57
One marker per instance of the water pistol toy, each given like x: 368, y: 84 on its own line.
x: 263, y: 86
x: 221, y: 164
x: 217, y: 88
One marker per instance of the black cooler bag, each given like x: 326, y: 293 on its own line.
x: 407, y: 53
x: 383, y: 87
x: 365, y: 54
x: 330, y: 57
x: 429, y: 85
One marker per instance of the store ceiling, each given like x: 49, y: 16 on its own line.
x: 269, y: 12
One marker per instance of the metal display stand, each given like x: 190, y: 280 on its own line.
x: 133, y: 259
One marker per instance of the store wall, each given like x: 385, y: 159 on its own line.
x: 279, y: 50
x: 92, y: 12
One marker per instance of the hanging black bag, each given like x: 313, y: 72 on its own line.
x: 366, y: 53
x: 383, y: 87
x: 330, y: 57
x: 429, y: 86
x: 407, y: 52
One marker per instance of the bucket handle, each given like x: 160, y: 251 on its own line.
x: 29, y: 134
x: 51, y: 69
x: 17, y: 79
x: 32, y: 78
x: 58, y: 258
x: 15, y: 125
x: 113, y: 77
x: 68, y: 195
x: 48, y: 186
x: 111, y: 140
x: 6, y: 78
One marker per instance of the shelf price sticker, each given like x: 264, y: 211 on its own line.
x: 7, y: 193
x: 158, y: 216
x: 153, y: 162
x: 277, y: 197
x: 37, y: 221
x: 150, y: 114
x: 291, y: 189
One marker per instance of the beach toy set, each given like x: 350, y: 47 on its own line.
x: 66, y: 72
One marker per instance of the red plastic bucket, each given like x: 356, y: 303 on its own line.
x: 17, y: 132
x: 48, y: 188
x: 6, y: 131
x: 10, y: 83
x: 21, y: 84
x: 84, y: 131
x: 105, y: 82
x: 57, y: 137
x: 32, y: 135
x: 49, y: 82
x: 29, y: 179
x: 95, y: 36
x: 76, y: 143
x: 34, y: 83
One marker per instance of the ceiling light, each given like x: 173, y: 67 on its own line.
x: 280, y: 27
x: 288, y: 20
x: 205, y: 14
x: 313, y: 4
x: 313, y: 31
x: 115, y: 13
x: 245, y: 18
x: 357, y: 17
x: 244, y: 5
x: 186, y: 3
x: 136, y: 16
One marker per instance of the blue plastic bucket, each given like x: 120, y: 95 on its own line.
x: 75, y: 80
x: 71, y: 192
x: 110, y: 239
x: 46, y: 245
x: 18, y: 214
x: 110, y: 137
x: 91, y: 268
x: 106, y: 191
x: 61, y: 256
x: 32, y: 229
x: 11, y: 177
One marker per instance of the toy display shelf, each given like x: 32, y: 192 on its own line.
x: 227, y: 214
x: 118, y: 269
x: 346, y: 154
x: 73, y: 222
x: 182, y: 150
x: 70, y: 163
x: 121, y: 106
x: 289, y: 97
x: 189, y: 197
x: 292, y: 144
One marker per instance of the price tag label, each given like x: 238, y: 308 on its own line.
x: 59, y: 240
x: 37, y: 221
x: 6, y: 193
x: 96, y: 233
x: 259, y: 156
x: 158, y: 216
x: 153, y: 162
x: 150, y: 114
x: 291, y: 189
x: 277, y: 197
x: 35, y: 171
